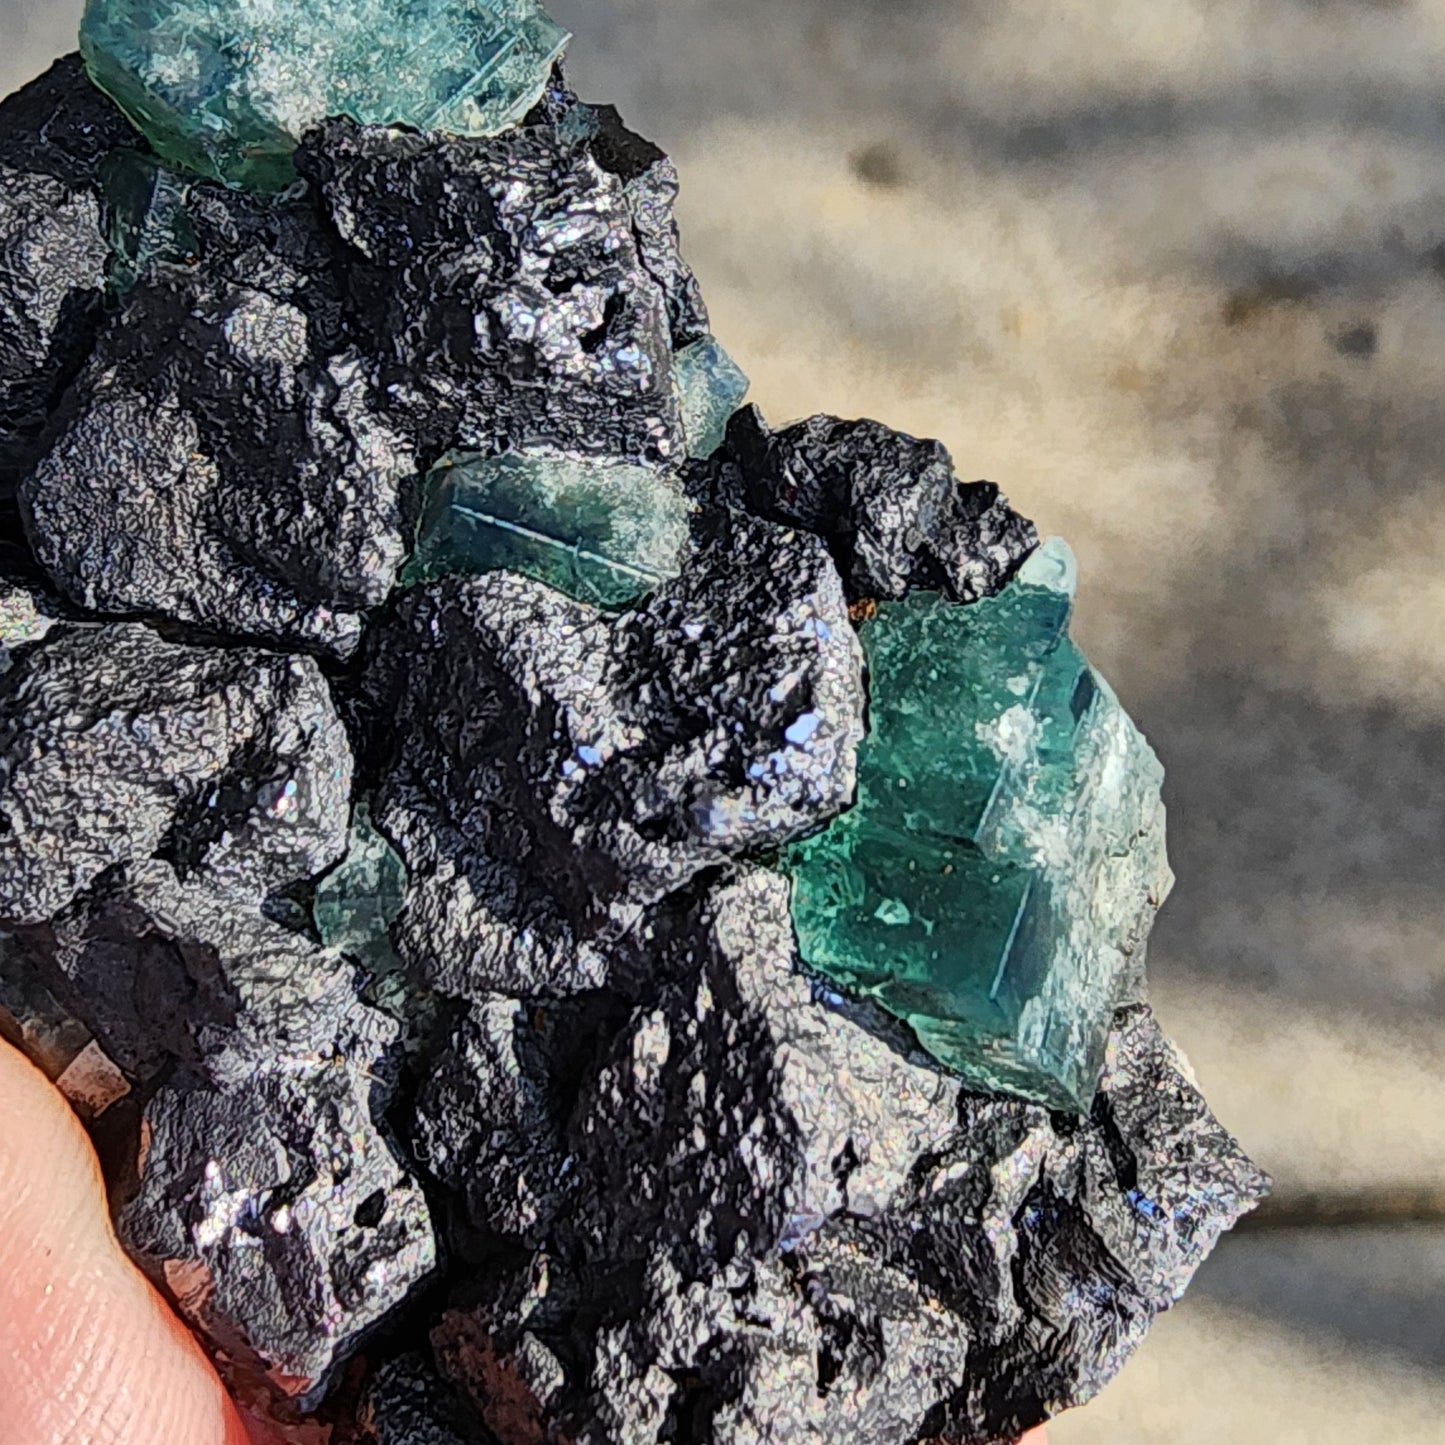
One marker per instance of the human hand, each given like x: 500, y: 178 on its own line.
x: 89, y: 1352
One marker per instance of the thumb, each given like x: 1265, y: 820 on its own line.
x: 89, y: 1353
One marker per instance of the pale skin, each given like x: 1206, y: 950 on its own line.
x: 89, y: 1353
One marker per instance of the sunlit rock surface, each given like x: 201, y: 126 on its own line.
x: 444, y: 924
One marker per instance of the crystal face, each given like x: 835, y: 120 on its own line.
x: 228, y: 88
x: 600, y: 532
x: 711, y: 386
x: 555, y: 1094
x: 358, y: 901
x: 1006, y: 852
x: 146, y: 203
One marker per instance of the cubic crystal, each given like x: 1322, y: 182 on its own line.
x: 1007, y: 848
x: 227, y: 89
x: 603, y: 533
x: 711, y: 387
x: 358, y: 901
x: 146, y: 204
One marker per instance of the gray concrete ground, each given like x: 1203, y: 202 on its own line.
x: 1172, y: 272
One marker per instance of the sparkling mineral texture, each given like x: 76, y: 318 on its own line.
x: 576, y: 916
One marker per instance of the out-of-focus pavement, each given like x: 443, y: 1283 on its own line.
x: 1173, y: 273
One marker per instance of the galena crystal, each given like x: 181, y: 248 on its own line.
x: 602, y: 532
x: 228, y: 89
x: 1006, y: 852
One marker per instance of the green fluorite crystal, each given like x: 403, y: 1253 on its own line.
x: 146, y: 203
x: 226, y: 87
x: 358, y: 901
x: 1002, y: 864
x: 601, y: 532
x: 354, y: 908
x: 711, y: 387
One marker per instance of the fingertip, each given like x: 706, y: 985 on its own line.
x: 88, y: 1349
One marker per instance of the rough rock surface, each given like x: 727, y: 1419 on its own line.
x: 759, y: 1221
x: 582, y: 766
x: 407, y: 1403
x: 238, y: 478
x: 26, y: 616
x: 503, y: 286
x: 892, y: 508
x: 278, y: 1219
x: 117, y: 746
x: 55, y: 136
x: 165, y: 971
x: 684, y: 1193
x: 267, y: 1203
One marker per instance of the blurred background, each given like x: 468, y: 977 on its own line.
x: 1172, y: 272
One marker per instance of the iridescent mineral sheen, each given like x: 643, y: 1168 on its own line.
x: 1006, y: 853
x: 226, y: 87
x: 605, y: 533
x: 711, y: 387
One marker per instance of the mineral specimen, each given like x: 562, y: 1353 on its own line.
x: 149, y: 217
x: 890, y: 505
x: 240, y: 478
x: 407, y: 1403
x: 438, y: 938
x: 55, y: 136
x: 554, y: 769
x: 116, y: 747
x: 227, y: 89
x: 24, y: 618
x: 279, y: 1220
x: 775, y: 1225
x: 358, y: 901
x: 31, y: 1017
x: 1007, y: 848
x: 604, y: 533
x: 505, y: 288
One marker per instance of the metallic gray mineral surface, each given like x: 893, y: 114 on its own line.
x: 118, y: 746
x: 556, y: 769
x: 563, y: 1144
x: 759, y: 1217
x: 891, y: 507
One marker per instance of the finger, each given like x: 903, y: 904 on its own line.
x: 1035, y: 1437
x: 89, y: 1354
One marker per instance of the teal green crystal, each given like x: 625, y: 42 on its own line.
x: 354, y: 908
x: 358, y: 901
x: 227, y: 87
x: 711, y: 387
x: 146, y: 206
x: 997, y: 877
x: 604, y: 533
